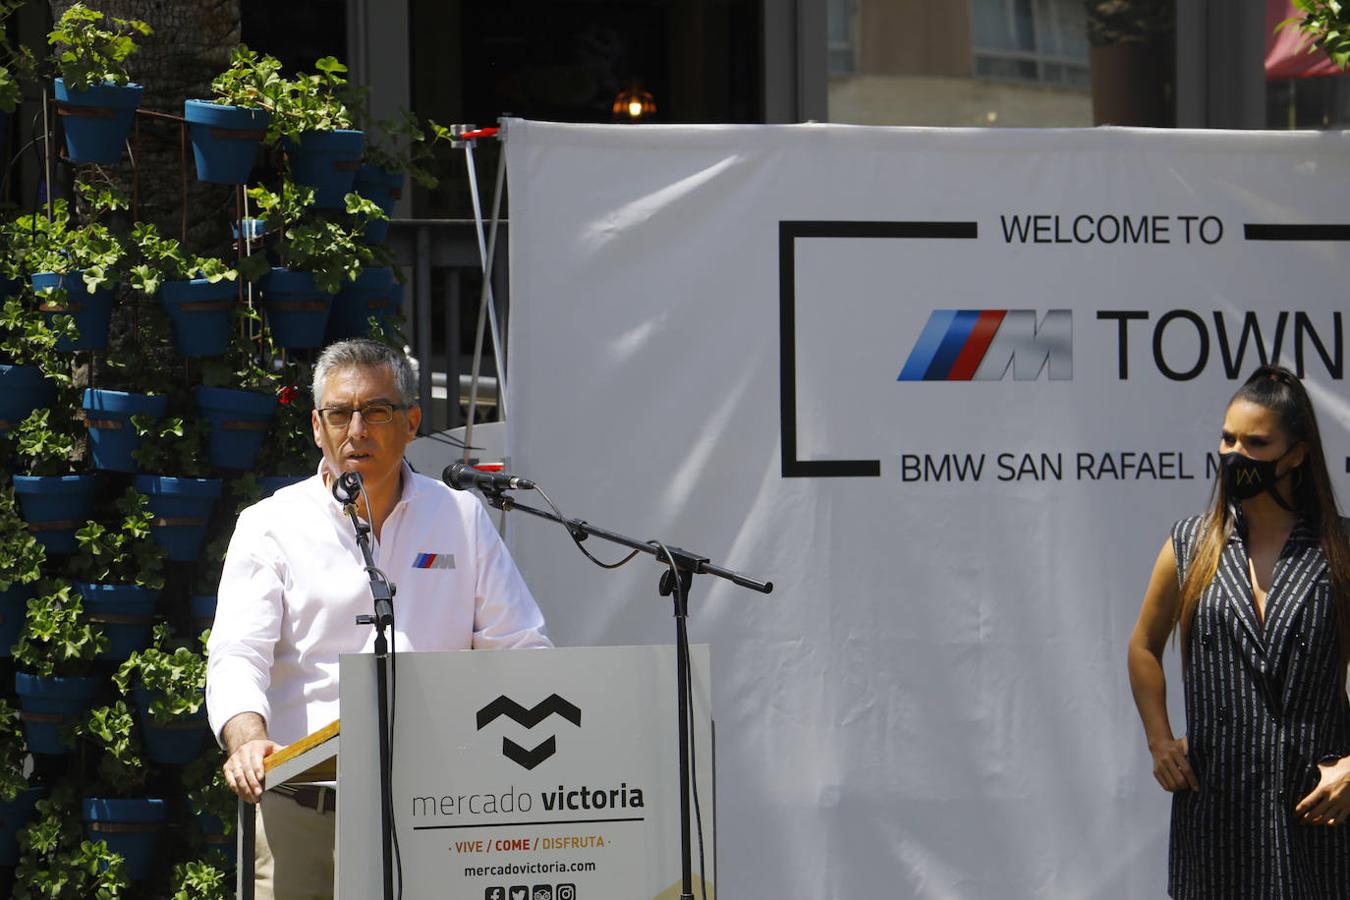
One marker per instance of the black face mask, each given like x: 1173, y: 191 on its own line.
x: 1244, y: 477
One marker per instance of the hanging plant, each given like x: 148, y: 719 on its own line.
x: 17, y: 64
x: 212, y: 559
x: 173, y: 676
x: 237, y: 394
x: 214, y: 806
x: 31, y: 365
x: 74, y: 269
x: 247, y: 363
x: 49, y: 445
x: 317, y: 102
x: 129, y: 821
x: 56, y: 243
x: 331, y: 249
x: 58, y: 640
x: 172, y: 446
x: 48, y: 442
x: 111, y: 730
x: 124, y: 553
x: 54, y: 653
x: 253, y: 81
x: 154, y: 260
x: 21, y: 559
x: 21, y: 556
x: 93, y: 89
x: 168, y: 682
x: 89, y: 48
x: 57, y: 861
x: 288, y: 449
x: 12, y: 753
x: 201, y: 880
x: 403, y: 144
x: 30, y: 338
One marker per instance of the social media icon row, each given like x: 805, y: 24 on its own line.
x: 532, y: 892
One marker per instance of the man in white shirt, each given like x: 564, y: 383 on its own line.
x: 294, y: 583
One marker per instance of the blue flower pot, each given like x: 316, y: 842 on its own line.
x: 175, y: 744
x: 384, y: 189
x: 184, y: 505
x: 92, y: 312
x: 371, y: 294
x: 14, y: 815
x: 13, y: 611
x: 48, y: 704
x: 112, y: 437
x: 225, y: 139
x: 138, y: 826
x: 200, y: 312
x: 97, y: 120
x: 203, y: 609
x: 297, y: 311
x: 125, y: 612
x: 22, y: 390
x: 326, y: 161
x: 56, y: 506
x: 273, y: 483
x: 239, y: 421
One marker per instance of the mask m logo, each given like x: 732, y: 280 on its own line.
x: 984, y: 344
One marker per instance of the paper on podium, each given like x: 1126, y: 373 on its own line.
x: 310, y: 759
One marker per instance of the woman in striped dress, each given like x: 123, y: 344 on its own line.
x: 1258, y: 592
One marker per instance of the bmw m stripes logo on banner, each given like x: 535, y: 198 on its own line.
x: 983, y: 344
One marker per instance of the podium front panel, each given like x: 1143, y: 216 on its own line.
x: 524, y: 774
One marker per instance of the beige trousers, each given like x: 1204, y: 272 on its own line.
x: 294, y: 851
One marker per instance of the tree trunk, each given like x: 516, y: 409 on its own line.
x: 191, y: 43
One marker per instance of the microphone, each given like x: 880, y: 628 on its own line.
x: 464, y: 477
x: 347, y: 487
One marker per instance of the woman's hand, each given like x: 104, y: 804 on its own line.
x: 1147, y: 642
x: 1172, y: 768
x: 1329, y: 803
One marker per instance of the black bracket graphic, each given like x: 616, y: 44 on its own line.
x: 788, y: 233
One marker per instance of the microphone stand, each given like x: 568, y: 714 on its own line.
x: 687, y: 565
x: 383, y: 594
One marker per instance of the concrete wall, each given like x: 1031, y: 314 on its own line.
x: 894, y: 100
x: 914, y: 37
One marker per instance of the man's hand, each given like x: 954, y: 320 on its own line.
x: 1329, y: 803
x: 246, y: 741
x: 1172, y: 768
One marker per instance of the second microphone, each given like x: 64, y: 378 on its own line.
x: 464, y: 477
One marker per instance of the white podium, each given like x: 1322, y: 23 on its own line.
x: 517, y: 775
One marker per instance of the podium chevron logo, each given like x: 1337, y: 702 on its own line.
x: 528, y: 718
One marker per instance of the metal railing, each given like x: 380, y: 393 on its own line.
x: 441, y: 264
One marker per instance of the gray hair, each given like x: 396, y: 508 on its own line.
x: 363, y: 353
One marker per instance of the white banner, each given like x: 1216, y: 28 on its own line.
x: 947, y: 390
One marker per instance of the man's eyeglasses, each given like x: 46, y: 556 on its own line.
x: 379, y: 413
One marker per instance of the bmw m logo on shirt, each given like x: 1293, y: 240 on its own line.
x: 434, y: 561
x: 984, y: 344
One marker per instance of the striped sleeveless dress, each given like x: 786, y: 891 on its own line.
x: 1265, y: 701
